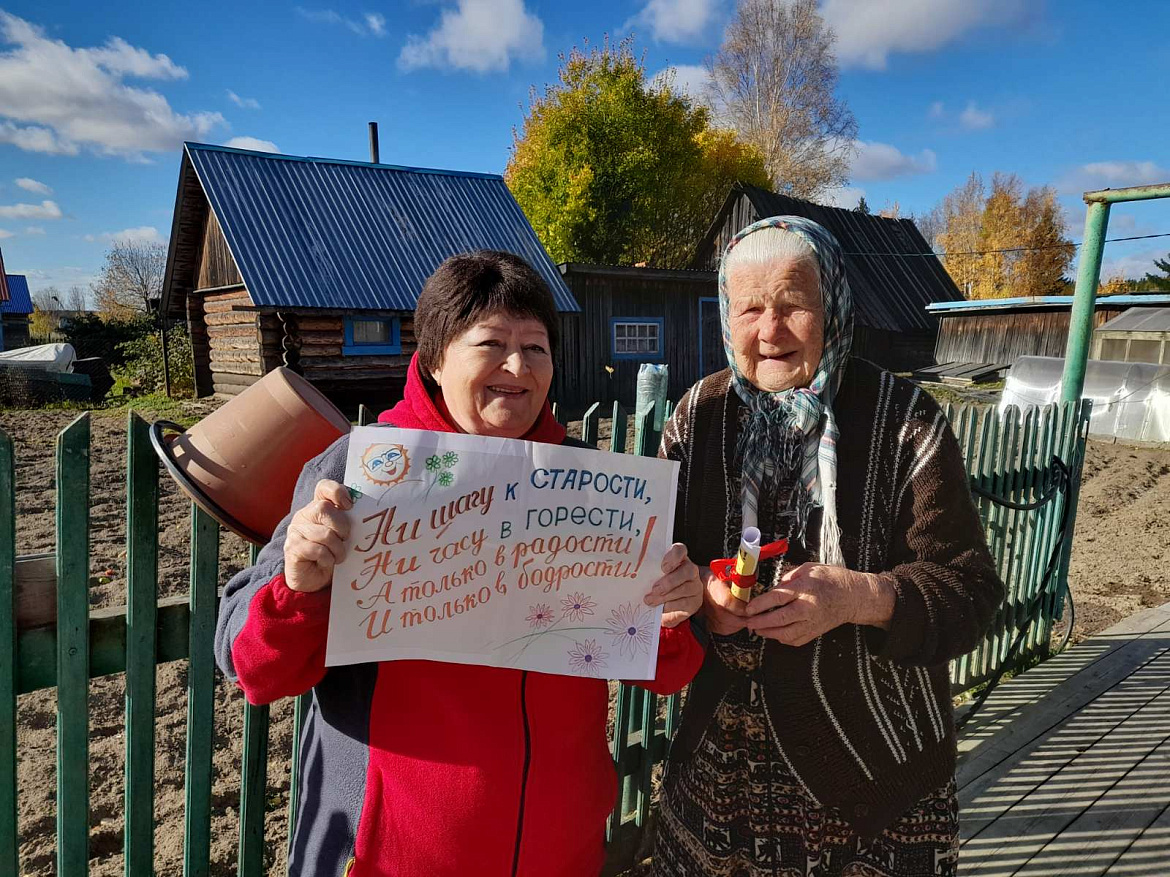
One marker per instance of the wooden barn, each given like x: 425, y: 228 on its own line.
x: 317, y: 263
x: 999, y: 331
x: 891, y: 280
x: 630, y: 316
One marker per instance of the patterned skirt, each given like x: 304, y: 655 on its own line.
x: 735, y: 808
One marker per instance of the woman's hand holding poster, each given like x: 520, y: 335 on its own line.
x: 479, y: 550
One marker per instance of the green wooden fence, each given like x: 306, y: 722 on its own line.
x: 1009, y: 455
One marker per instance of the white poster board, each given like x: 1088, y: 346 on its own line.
x: 507, y: 553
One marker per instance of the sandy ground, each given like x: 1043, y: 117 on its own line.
x: 1121, y: 554
x: 1121, y: 563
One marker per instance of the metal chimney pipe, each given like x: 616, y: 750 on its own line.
x: 374, y: 142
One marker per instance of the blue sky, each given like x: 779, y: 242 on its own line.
x: 95, y: 99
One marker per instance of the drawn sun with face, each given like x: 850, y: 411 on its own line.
x: 385, y: 464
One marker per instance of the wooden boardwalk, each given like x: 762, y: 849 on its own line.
x: 1066, y: 771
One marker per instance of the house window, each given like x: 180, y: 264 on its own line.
x: 371, y: 336
x: 637, y: 338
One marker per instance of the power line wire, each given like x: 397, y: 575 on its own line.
x: 1140, y: 237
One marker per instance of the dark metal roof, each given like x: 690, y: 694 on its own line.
x: 891, y: 280
x: 18, y: 301
x: 325, y: 233
x: 1139, y: 320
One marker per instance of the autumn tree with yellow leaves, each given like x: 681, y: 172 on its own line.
x: 1004, y: 242
x: 616, y: 167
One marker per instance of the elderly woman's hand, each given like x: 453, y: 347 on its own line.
x: 725, y: 615
x: 679, y: 591
x: 813, y: 598
x: 315, y: 542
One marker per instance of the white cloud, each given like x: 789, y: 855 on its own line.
x: 34, y: 229
x: 975, y: 119
x: 880, y: 161
x: 1132, y: 265
x: 846, y: 196
x: 56, y: 99
x: 675, y: 21
x: 937, y: 110
x: 691, y: 79
x: 123, y: 59
x: 253, y: 143
x: 142, y: 234
x: 5, y: 233
x: 44, y: 210
x: 370, y: 24
x: 478, y: 35
x: 33, y: 138
x: 1112, y: 175
x: 868, y: 31
x: 376, y: 22
x: 245, y: 103
x: 31, y: 185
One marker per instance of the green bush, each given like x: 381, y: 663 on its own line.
x: 142, y: 362
x: 92, y: 336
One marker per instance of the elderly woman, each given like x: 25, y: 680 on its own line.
x: 413, y: 768
x: 817, y: 739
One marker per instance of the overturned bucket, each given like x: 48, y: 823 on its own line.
x: 240, y: 464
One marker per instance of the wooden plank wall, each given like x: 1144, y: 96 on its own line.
x: 895, y: 351
x: 740, y: 216
x: 586, y: 349
x: 217, y: 268
x: 1006, y: 336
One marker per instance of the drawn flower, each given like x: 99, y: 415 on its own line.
x: 539, y: 616
x: 354, y: 491
x: 433, y: 463
x: 631, y: 627
x: 445, y: 479
x: 450, y: 459
x: 576, y: 606
x: 586, y: 658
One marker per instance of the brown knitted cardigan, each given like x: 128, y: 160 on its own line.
x: 862, y: 716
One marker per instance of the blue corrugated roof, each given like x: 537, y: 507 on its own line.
x: 19, y: 301
x: 1042, y: 301
x: 314, y: 232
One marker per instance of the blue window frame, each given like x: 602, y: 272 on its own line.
x: 372, y: 336
x: 640, y: 338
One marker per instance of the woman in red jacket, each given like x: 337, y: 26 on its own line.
x: 413, y: 768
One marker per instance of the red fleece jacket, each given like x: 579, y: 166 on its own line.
x: 471, y: 770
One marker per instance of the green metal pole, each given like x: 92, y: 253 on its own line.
x: 1080, y: 330
x: 1131, y: 193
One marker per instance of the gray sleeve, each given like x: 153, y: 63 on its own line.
x: 238, y: 594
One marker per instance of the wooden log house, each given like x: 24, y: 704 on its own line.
x: 317, y: 264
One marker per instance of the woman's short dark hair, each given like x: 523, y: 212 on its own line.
x: 470, y: 286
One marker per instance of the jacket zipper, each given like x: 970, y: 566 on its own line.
x: 524, y: 774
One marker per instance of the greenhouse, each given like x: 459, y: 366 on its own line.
x: 1137, y: 335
